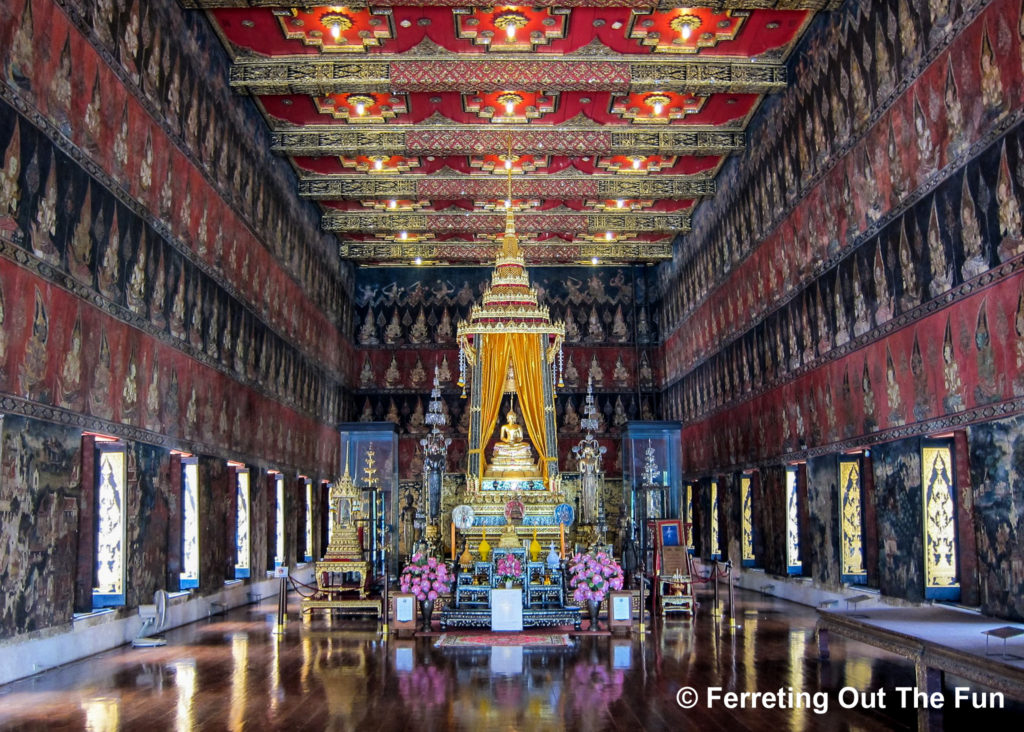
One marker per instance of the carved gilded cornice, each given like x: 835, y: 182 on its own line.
x: 656, y: 4
x: 451, y: 72
x: 405, y: 253
x: 454, y: 139
x: 494, y: 223
x: 409, y: 186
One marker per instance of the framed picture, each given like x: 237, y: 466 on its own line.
x: 670, y: 532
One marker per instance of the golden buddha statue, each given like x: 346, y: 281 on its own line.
x: 512, y: 456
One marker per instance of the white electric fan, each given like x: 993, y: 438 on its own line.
x: 154, y: 617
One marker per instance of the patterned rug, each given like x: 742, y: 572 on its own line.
x: 484, y: 640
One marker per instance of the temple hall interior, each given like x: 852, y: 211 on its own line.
x: 579, y: 365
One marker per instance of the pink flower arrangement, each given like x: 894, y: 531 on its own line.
x: 425, y: 577
x: 508, y: 568
x: 591, y: 576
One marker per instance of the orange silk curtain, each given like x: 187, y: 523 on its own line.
x: 526, y: 353
x: 526, y: 360
x: 494, y: 354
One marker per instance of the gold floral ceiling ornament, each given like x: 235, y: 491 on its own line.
x: 510, y: 100
x: 336, y: 24
x: 510, y: 22
x: 685, y: 24
x: 360, y: 102
x: 656, y: 102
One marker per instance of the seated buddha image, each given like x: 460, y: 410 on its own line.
x: 512, y: 455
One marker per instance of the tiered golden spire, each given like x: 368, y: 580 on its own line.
x: 510, y: 303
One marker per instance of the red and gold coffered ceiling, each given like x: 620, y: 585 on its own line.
x: 611, y: 118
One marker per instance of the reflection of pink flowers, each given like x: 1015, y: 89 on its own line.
x: 594, y: 686
x: 593, y: 575
x: 425, y: 577
x: 508, y: 567
x: 424, y: 686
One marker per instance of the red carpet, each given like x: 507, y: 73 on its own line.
x: 483, y: 640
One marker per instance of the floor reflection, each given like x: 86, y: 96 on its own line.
x: 327, y: 674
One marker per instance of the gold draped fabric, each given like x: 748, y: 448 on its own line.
x: 493, y: 355
x: 526, y: 360
x: 526, y: 353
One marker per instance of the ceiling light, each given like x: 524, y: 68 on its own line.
x: 620, y: 203
x: 336, y: 30
x: 608, y: 236
x: 378, y: 163
x: 508, y: 203
x: 360, y: 108
x: 510, y: 31
x: 594, y: 260
x: 686, y: 24
x: 418, y: 260
x: 508, y: 163
x: 636, y: 163
x: 403, y: 235
x: 392, y: 203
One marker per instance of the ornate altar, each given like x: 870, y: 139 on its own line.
x: 512, y: 347
x: 344, y: 557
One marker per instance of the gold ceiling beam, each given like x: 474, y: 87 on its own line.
x: 391, y: 74
x: 485, y: 222
x: 406, y: 186
x: 456, y: 139
x: 473, y: 252
x: 656, y: 4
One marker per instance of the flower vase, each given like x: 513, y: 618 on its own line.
x: 426, y: 612
x: 593, y: 606
x: 508, y: 584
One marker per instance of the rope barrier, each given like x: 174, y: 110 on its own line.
x: 295, y: 586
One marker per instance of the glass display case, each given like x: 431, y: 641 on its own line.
x: 652, y: 457
x: 369, y: 451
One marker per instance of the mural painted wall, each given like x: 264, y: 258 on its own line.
x: 793, y: 335
x: 160, y: 282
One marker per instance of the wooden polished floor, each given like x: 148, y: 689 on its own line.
x: 233, y: 673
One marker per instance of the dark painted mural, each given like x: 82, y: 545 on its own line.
x: 151, y: 509
x: 898, y: 505
x: 820, y: 550
x: 39, y: 517
x: 769, y: 500
x: 997, y: 469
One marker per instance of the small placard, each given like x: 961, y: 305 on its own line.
x: 620, y: 609
x: 281, y: 571
x: 405, y: 609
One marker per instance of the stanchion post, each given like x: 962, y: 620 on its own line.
x: 384, y: 593
x: 717, y: 612
x: 282, y: 606
x: 732, y: 599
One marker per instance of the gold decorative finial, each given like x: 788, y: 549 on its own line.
x: 510, y: 244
